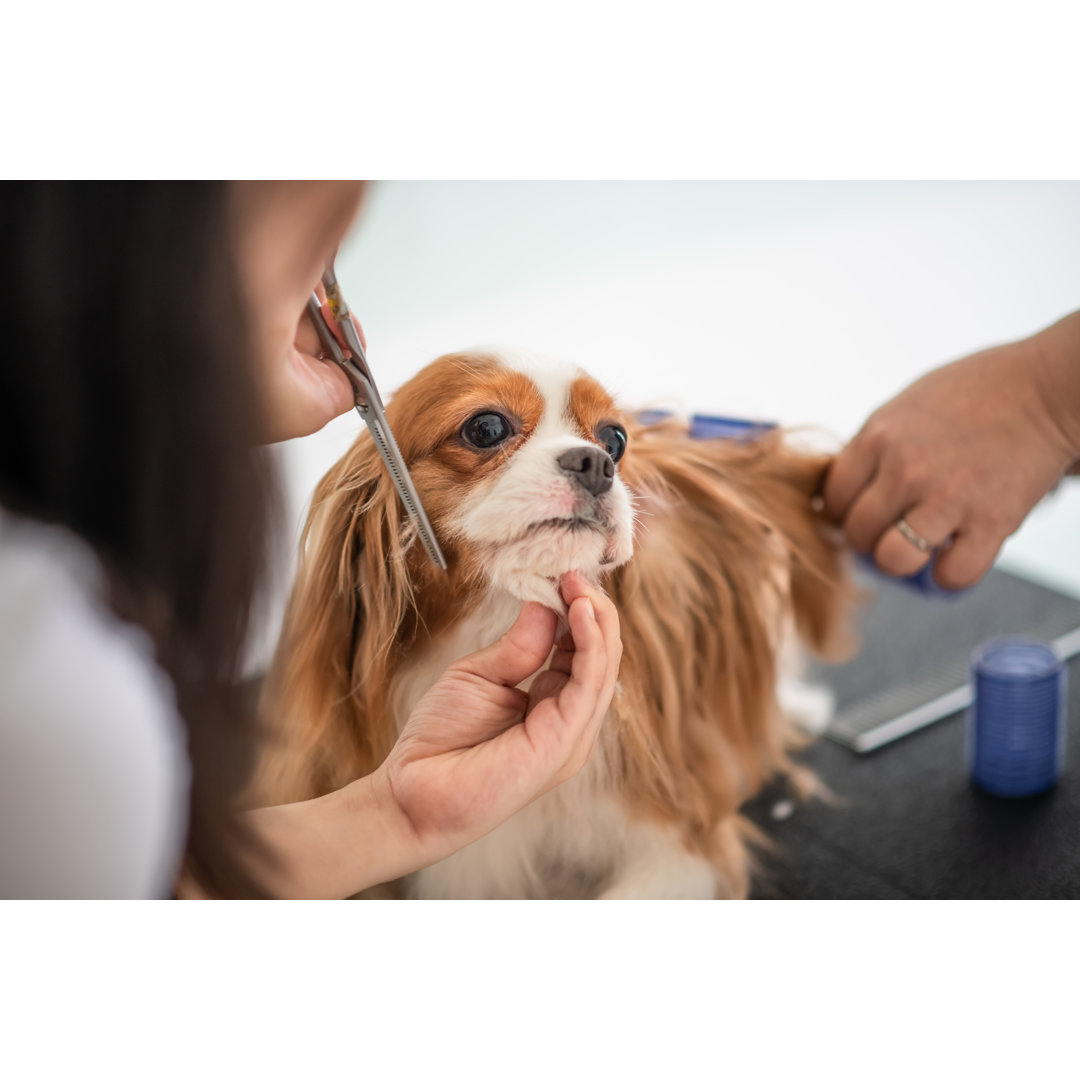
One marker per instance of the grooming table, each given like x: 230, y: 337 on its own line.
x: 909, y: 824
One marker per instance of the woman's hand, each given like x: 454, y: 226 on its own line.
x: 305, y: 391
x: 963, y: 454
x: 477, y: 749
x: 285, y: 234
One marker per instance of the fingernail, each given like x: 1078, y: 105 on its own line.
x: 589, y: 608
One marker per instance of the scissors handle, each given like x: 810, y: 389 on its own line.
x: 362, y: 387
x: 343, y: 317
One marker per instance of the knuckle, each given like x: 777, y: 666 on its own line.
x: 869, y: 436
x: 950, y: 498
x: 909, y: 471
x: 995, y: 520
x: 875, y: 436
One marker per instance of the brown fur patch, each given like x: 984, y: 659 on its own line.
x: 591, y: 407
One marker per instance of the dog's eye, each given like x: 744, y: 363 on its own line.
x: 486, y: 429
x: 613, y: 438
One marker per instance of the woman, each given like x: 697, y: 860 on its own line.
x: 155, y: 334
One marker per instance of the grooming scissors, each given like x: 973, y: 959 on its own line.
x: 369, y: 404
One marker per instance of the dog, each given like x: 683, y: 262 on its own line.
x: 527, y: 468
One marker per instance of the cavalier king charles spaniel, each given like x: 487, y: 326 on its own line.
x: 711, y: 551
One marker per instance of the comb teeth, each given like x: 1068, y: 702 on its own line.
x: 389, y: 452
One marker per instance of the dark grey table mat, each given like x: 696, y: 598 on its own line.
x: 909, y: 824
x: 915, y: 648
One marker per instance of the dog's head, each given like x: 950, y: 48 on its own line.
x: 516, y: 460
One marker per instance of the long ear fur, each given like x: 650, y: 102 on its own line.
x: 728, y: 547
x: 783, y: 483
x: 324, y: 705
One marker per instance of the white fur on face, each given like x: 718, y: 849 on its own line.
x: 532, y: 520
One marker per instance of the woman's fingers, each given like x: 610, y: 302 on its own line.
x: 568, y: 700
x: 562, y: 658
x: 307, y: 337
x: 560, y: 728
x: 328, y: 315
x: 547, y: 684
x: 588, y: 666
x: 585, y: 699
x: 564, y: 725
x: 465, y: 762
x: 574, y: 585
x: 519, y: 653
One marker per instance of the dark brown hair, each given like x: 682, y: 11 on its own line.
x: 128, y: 414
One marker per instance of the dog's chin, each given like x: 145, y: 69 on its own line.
x: 530, y: 566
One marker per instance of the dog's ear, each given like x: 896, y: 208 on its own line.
x: 323, y: 708
x: 773, y: 486
x: 728, y: 545
x: 785, y: 483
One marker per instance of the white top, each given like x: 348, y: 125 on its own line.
x: 94, y: 775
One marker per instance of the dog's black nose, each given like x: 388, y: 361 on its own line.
x: 590, y: 467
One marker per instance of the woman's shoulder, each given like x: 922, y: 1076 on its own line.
x: 40, y: 562
x: 53, y: 588
x: 93, y: 768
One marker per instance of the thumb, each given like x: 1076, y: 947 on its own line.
x: 520, y: 652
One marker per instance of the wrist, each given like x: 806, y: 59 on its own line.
x: 1055, y: 363
x: 337, y: 845
x: 370, y: 800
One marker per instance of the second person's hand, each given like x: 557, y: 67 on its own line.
x: 962, y: 455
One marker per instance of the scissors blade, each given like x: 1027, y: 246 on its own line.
x: 370, y: 407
